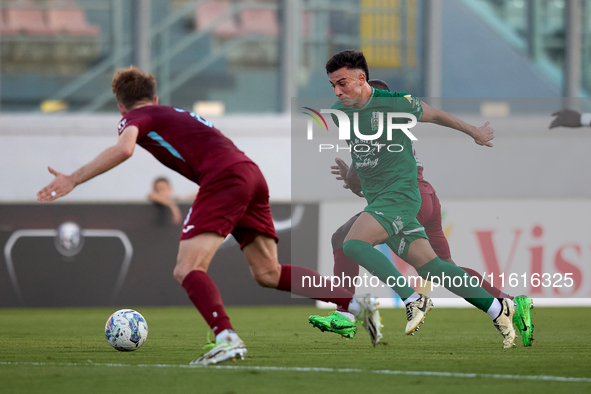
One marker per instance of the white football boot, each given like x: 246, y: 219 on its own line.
x: 225, y: 349
x: 504, y: 323
x: 370, y: 318
x: 416, y: 312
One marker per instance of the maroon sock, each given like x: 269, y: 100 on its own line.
x: 291, y: 280
x: 207, y: 299
x: 345, y: 269
x: 497, y: 293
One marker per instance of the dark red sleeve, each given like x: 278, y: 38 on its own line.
x: 142, y: 121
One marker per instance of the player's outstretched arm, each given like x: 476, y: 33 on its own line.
x: 570, y: 118
x: 482, y: 135
x: 107, y: 159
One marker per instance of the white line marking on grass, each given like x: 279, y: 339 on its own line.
x: 315, y: 369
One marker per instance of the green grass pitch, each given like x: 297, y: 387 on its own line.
x: 64, y: 350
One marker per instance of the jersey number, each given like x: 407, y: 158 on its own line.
x: 199, y: 118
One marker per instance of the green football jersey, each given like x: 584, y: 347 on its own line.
x: 382, y: 164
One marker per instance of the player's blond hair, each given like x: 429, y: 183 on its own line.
x: 132, y: 85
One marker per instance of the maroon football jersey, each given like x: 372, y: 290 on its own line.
x: 182, y: 140
x: 424, y: 186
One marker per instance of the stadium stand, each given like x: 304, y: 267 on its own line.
x: 49, y: 37
x: 259, y: 21
x: 206, y: 13
x: 64, y: 16
x: 5, y: 29
x: 25, y: 17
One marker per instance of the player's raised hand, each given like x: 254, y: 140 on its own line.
x: 60, y: 186
x: 484, y: 134
x: 340, y: 170
x: 566, y: 118
x: 348, y: 176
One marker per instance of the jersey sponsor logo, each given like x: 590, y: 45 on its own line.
x: 367, y: 163
x: 362, y: 150
x: 366, y: 152
x: 379, y: 213
x: 188, y: 228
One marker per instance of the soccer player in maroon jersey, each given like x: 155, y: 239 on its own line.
x: 233, y: 199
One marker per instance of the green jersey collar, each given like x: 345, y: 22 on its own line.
x: 373, y: 91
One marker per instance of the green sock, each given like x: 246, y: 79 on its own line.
x: 446, y: 273
x: 377, y: 264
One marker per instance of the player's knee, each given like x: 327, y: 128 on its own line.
x: 353, y: 247
x: 264, y: 280
x: 179, y: 274
x: 450, y: 260
x: 337, y: 239
x: 182, y: 270
x: 187, y: 262
x: 268, y: 278
x: 425, y: 270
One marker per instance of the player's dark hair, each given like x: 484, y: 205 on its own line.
x: 351, y: 59
x: 378, y: 84
x: 132, y: 85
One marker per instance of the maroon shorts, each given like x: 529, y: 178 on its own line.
x: 430, y: 217
x: 236, y: 201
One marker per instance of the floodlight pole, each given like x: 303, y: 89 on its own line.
x: 0, y: 71
x: 535, y: 47
x: 142, y: 34
x: 572, y: 59
x: 289, y: 52
x: 117, y: 32
x: 432, y: 70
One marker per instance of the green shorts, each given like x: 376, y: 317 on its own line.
x: 398, y: 216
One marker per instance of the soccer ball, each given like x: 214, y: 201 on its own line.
x: 126, y: 330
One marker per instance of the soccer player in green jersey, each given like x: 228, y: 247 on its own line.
x: 388, y: 173
x: 429, y: 215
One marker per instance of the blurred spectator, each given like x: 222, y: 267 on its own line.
x: 162, y: 194
x: 570, y: 118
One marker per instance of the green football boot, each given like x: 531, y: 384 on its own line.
x: 335, y: 322
x: 522, y: 318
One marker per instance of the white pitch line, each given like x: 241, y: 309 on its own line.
x: 315, y: 369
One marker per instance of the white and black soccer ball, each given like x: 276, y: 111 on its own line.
x: 126, y: 330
